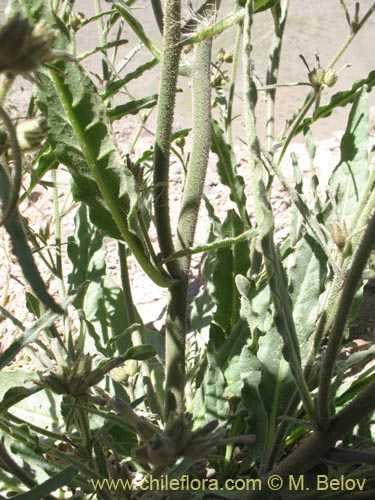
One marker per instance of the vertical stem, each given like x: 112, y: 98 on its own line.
x: 158, y: 13
x: 233, y: 85
x: 192, y: 195
x: 167, y: 98
x: 351, y: 283
x: 279, y: 17
x: 131, y: 319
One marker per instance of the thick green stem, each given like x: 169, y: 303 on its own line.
x: 351, y: 282
x: 166, y: 105
x: 192, y: 195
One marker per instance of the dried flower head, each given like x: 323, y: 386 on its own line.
x: 23, y: 46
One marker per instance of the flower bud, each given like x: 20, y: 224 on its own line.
x: 76, y: 20
x: 31, y: 133
x: 330, y: 77
x: 23, y: 47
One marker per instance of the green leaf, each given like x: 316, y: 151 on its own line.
x: 136, y: 26
x: 60, y: 479
x: 113, y: 87
x: 307, y: 270
x: 210, y: 402
x: 81, y: 140
x: 86, y: 251
x: 22, y: 251
x: 132, y: 107
x: 251, y: 376
x: 260, y: 5
x: 227, y: 170
x: 140, y: 352
x: 30, y: 335
x: 230, y: 262
x: 17, y: 394
x: 350, y: 176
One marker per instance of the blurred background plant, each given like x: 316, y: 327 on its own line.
x: 248, y: 375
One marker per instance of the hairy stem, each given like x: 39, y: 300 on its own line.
x: 279, y: 16
x: 191, y: 198
x: 167, y: 98
x: 351, y: 282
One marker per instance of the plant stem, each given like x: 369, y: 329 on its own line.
x: 351, y: 282
x: 6, y: 80
x: 232, y: 85
x: 279, y: 17
x: 191, y: 198
x: 158, y: 13
x: 166, y: 105
x: 137, y: 337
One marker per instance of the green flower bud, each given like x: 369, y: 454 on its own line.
x: 316, y: 78
x: 330, y: 77
x: 76, y: 20
x: 339, y: 233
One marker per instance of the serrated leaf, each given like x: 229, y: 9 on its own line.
x: 210, y: 402
x: 231, y: 261
x: 227, y: 170
x: 307, y: 269
x: 86, y: 251
x: 81, y: 140
x: 115, y: 86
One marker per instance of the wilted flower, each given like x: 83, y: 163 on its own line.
x: 23, y: 46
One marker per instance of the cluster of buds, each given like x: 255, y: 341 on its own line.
x: 160, y: 448
x: 320, y: 77
x: 77, y: 378
x: 24, y: 47
x: 178, y: 440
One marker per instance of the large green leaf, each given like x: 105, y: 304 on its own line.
x: 231, y: 261
x: 86, y: 251
x: 350, y: 176
x: 210, y: 402
x: 81, y: 140
x: 307, y: 267
x: 60, y: 479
